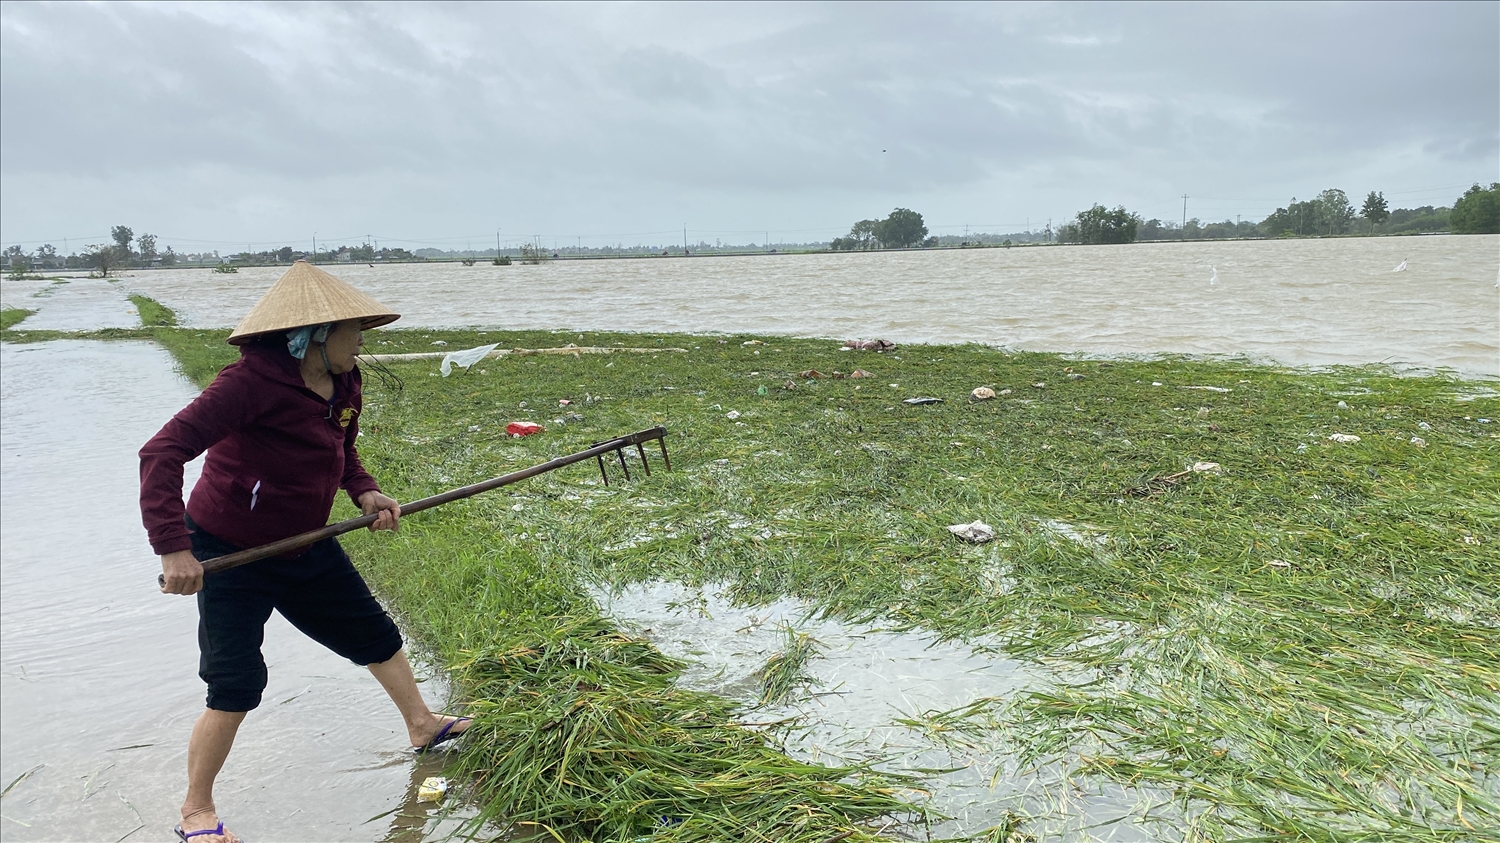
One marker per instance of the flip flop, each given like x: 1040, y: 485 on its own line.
x: 446, y: 734
x: 185, y: 836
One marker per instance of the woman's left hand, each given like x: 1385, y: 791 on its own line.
x: 390, y: 511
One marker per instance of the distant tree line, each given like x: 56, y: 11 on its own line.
x: 1329, y: 214
x: 903, y: 229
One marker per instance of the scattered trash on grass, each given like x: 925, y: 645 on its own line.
x: 1204, y: 388
x: 1424, y: 426
x: 439, y: 342
x: 1003, y: 392
x: 751, y: 342
x: 860, y: 373
x: 433, y: 789
x: 1279, y: 563
x: 977, y: 532
x: 1205, y: 467
x: 982, y: 393
x: 1345, y: 438
x: 1419, y: 441
x: 732, y: 415
x: 919, y: 402
x: 563, y: 402
x: 523, y: 428
x: 869, y: 345
x: 1040, y: 385
x: 1343, y: 406
x: 809, y: 374
x: 1074, y: 376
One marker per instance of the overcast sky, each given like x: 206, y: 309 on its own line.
x: 219, y: 126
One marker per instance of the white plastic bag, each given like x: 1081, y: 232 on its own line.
x: 466, y: 358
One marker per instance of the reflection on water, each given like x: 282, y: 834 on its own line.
x: 867, y: 680
x: 98, y: 670
x: 1300, y: 302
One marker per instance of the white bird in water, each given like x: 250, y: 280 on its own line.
x: 1215, y: 279
x: 1401, y: 268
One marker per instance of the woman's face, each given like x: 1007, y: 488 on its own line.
x: 344, y: 341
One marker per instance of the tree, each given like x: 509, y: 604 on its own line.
x: 861, y: 236
x: 1335, y: 212
x: 169, y: 257
x: 1477, y: 211
x: 1098, y: 225
x: 902, y: 229
x: 104, y: 258
x: 284, y: 254
x: 1375, y: 210
x: 122, y: 237
x: 147, y: 242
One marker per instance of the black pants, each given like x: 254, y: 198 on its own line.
x: 319, y: 592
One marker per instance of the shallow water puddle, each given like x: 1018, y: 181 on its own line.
x: 871, y: 699
x: 98, y: 670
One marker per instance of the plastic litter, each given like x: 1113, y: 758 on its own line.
x: 860, y: 373
x: 1343, y: 406
x: 1003, y: 392
x: 523, y: 428
x: 1206, y: 467
x: 732, y: 415
x: 982, y: 393
x: 977, y: 532
x: 466, y: 358
x: 811, y: 373
x: 1424, y: 426
x: 1204, y: 388
x: 433, y: 789
x: 918, y: 402
x: 1345, y: 438
x: 869, y: 345
x: 1419, y: 441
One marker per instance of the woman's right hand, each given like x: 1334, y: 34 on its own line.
x: 182, y: 572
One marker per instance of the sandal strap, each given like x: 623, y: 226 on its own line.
x: 187, y: 834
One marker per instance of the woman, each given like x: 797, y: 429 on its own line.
x: 280, y: 426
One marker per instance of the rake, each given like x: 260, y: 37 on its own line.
x: 597, y: 452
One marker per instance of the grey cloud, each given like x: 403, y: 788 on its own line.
x: 598, y: 115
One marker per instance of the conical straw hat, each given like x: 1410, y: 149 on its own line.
x: 306, y: 295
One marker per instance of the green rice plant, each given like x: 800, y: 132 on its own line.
x: 11, y: 316
x: 785, y: 670
x: 153, y: 314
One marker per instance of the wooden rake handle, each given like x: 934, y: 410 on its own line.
x: 619, y: 443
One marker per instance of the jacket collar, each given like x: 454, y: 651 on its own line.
x: 271, y: 360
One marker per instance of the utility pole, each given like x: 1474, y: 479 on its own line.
x: 684, y: 238
x: 314, y: 254
x: 1184, y: 215
x: 497, y: 243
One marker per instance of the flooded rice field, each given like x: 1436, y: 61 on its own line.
x: 1302, y: 302
x: 100, y: 669
x: 81, y: 620
x: 876, y: 696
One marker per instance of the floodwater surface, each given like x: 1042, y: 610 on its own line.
x: 98, y: 669
x: 1296, y: 302
x: 869, y: 693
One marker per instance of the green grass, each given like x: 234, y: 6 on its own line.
x: 153, y: 314
x: 12, y: 316
x: 1305, y: 646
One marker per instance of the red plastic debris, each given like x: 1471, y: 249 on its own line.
x: 523, y: 428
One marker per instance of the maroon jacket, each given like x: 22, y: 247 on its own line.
x: 277, y: 455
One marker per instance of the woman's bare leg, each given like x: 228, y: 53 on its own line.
x: 213, y: 737
x: 396, y: 678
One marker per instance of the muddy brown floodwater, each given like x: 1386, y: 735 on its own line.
x: 98, y: 670
x: 1297, y: 302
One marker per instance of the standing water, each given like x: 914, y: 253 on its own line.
x: 1296, y: 302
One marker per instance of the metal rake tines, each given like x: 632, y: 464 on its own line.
x: 640, y: 449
